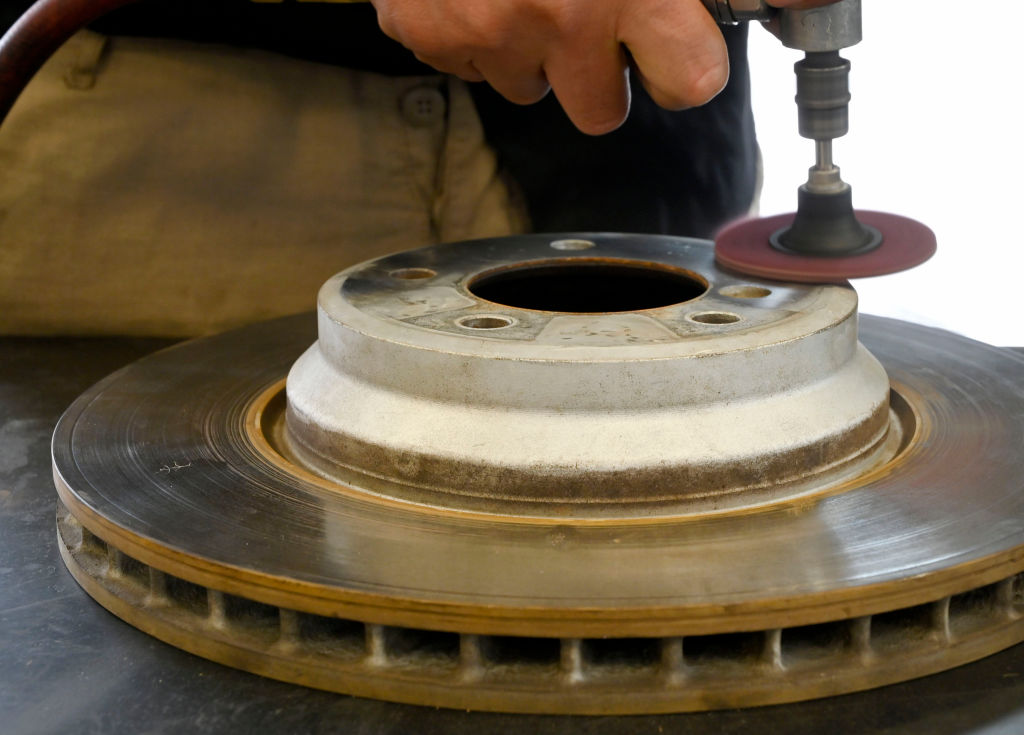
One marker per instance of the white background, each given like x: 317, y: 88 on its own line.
x: 935, y: 134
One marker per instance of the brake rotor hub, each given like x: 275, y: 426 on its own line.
x: 458, y: 376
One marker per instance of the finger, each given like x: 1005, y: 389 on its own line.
x: 515, y: 77
x: 464, y: 70
x: 678, y: 50
x: 385, y: 19
x: 472, y: 74
x: 593, y: 88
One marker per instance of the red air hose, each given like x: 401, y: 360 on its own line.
x: 36, y: 35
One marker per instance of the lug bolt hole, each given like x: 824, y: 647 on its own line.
x: 412, y: 274
x: 714, y: 317
x: 745, y: 292
x: 485, y: 322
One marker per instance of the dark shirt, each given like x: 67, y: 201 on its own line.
x: 668, y: 172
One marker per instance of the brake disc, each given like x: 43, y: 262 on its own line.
x: 585, y: 474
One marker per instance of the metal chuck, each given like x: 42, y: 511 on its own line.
x: 825, y: 223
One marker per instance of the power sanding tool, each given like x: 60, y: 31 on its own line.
x: 825, y: 240
x: 581, y: 473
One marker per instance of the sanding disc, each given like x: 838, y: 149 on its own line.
x: 745, y: 247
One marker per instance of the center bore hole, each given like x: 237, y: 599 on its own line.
x: 588, y: 286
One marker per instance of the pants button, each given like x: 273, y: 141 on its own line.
x: 423, y: 106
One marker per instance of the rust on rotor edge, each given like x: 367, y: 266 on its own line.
x: 265, y: 429
x: 886, y: 435
x: 605, y: 492
x: 547, y: 675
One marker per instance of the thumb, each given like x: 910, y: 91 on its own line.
x: 679, y: 52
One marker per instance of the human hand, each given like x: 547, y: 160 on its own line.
x: 524, y: 48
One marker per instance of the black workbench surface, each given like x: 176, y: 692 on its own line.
x: 67, y: 665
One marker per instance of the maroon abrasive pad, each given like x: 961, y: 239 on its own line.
x: 744, y: 247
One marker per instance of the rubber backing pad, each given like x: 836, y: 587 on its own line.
x: 744, y: 246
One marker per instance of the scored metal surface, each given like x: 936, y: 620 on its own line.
x: 158, y: 450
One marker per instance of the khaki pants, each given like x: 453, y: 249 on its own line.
x: 172, y: 188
